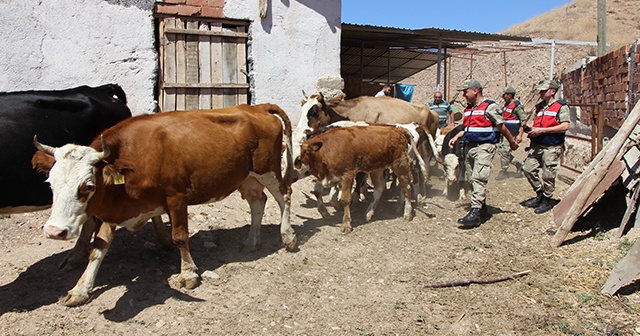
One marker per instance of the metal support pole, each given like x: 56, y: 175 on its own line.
x: 446, y: 80
x: 602, y: 27
x: 439, y: 61
x: 361, y: 66
x: 553, y: 52
x: 504, y: 65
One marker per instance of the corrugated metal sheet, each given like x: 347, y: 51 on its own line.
x: 381, y: 54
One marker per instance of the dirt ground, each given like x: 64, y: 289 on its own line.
x: 368, y: 282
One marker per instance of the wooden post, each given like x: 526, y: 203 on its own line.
x: 600, y: 170
x: 627, y: 269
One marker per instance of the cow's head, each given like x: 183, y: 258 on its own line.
x: 451, y: 167
x: 72, y: 176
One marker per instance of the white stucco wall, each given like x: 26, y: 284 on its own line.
x: 52, y: 45
x: 296, y: 43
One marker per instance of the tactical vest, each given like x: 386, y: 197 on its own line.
x: 477, y: 127
x: 549, y: 118
x: 511, y: 119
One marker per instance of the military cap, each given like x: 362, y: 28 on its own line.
x: 470, y: 84
x: 510, y: 90
x: 548, y: 84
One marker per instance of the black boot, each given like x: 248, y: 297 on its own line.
x: 484, y: 212
x: 501, y: 175
x: 533, y: 202
x: 471, y: 220
x: 518, y: 170
x: 545, y: 205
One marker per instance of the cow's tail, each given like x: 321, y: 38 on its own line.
x: 413, y: 147
x: 286, y: 122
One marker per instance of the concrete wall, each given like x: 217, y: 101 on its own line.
x: 67, y: 43
x: 297, y: 42
x: 49, y: 45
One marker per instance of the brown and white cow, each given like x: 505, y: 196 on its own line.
x: 162, y: 163
x: 317, y: 113
x: 336, y: 156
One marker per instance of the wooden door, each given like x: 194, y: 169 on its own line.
x: 202, y: 64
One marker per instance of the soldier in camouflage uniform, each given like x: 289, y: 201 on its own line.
x: 547, y: 140
x: 513, y: 115
x: 482, y: 126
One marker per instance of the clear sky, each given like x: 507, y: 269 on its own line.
x: 489, y: 16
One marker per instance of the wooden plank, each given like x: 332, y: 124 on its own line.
x: 204, y: 68
x: 229, y: 70
x: 169, y: 68
x: 192, y: 75
x: 560, y: 210
x: 216, y: 66
x: 220, y: 33
x: 181, y: 66
x: 631, y: 207
x: 207, y: 85
x: 626, y: 271
x: 242, y: 65
x: 602, y: 169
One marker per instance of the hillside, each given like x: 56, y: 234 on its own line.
x: 526, y: 68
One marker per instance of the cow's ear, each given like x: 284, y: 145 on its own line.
x: 337, y: 99
x: 302, y: 102
x: 42, y: 162
x: 316, y: 146
x: 110, y: 175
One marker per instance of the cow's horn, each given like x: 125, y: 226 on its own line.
x: 304, y: 94
x: 43, y: 148
x: 105, y: 150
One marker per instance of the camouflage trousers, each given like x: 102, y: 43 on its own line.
x: 546, y: 159
x: 506, y: 156
x: 478, y: 167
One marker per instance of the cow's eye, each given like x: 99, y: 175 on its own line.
x: 313, y: 112
x: 90, y: 186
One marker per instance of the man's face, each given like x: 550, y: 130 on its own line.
x: 546, y: 95
x: 470, y: 95
x: 507, y: 97
x: 437, y: 98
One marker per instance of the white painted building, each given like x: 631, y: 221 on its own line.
x: 51, y: 45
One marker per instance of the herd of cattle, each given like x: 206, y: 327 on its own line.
x: 80, y: 152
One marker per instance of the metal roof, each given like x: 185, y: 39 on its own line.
x: 382, y: 53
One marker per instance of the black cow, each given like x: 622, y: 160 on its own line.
x: 74, y: 115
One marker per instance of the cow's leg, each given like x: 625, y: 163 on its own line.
x: 334, y: 197
x: 345, y: 199
x: 282, y: 195
x: 80, y: 293
x: 317, y: 191
x: 80, y: 251
x: 402, y: 170
x: 252, y: 191
x: 162, y: 234
x: 188, y: 277
x: 378, y: 180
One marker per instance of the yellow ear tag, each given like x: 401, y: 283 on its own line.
x: 119, y: 179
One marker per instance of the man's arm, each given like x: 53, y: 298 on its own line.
x: 507, y: 135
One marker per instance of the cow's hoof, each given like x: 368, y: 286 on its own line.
x: 75, y: 299
x: 290, y: 243
x: 247, y: 248
x: 369, y: 216
x: 408, y: 217
x: 346, y: 229
x: 188, y: 280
